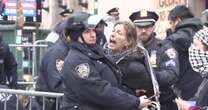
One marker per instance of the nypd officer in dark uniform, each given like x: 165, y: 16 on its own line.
x: 65, y: 13
x: 8, y: 65
x: 114, y: 12
x: 50, y: 77
x: 163, y: 57
x: 91, y: 80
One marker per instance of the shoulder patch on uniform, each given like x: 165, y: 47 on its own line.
x: 83, y: 70
x: 59, y: 65
x: 171, y: 53
x: 170, y: 63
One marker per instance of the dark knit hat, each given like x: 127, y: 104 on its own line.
x: 75, y: 24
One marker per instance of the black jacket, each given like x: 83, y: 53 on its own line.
x: 201, y: 95
x: 152, y: 44
x: 92, y: 82
x: 167, y: 73
x: 135, y: 72
x: 8, y: 66
x: 50, y: 76
x: 166, y: 68
x: 181, y: 39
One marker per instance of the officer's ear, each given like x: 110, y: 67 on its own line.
x: 153, y: 27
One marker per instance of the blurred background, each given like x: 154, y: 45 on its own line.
x: 27, y: 21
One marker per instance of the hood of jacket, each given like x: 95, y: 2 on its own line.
x: 194, y: 23
x: 184, y: 32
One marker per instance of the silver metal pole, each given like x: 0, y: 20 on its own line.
x: 32, y: 93
x: 5, y: 103
x: 17, y: 103
x: 153, y: 77
x: 34, y: 57
x: 43, y: 103
x: 26, y: 45
x: 30, y: 104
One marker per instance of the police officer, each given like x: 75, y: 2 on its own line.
x: 163, y: 57
x: 91, y: 80
x: 65, y: 13
x: 114, y: 12
x: 184, y: 26
x: 50, y: 77
x: 8, y: 65
x: 56, y: 32
x: 111, y: 19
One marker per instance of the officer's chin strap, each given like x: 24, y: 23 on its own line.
x: 65, y: 39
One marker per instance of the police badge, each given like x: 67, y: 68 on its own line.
x: 153, y: 58
x: 171, y: 53
x: 83, y: 70
x: 59, y: 65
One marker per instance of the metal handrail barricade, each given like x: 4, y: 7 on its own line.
x: 34, y: 46
x: 26, y: 83
x: 31, y: 93
x: 34, y: 56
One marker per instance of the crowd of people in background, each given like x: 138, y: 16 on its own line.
x: 102, y: 63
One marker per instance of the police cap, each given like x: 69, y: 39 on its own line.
x: 75, y: 24
x: 113, y: 10
x: 66, y: 12
x: 143, y: 18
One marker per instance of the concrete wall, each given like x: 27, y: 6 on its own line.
x: 197, y: 6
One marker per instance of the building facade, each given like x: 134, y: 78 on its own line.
x: 126, y: 7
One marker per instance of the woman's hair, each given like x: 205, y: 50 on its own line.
x: 131, y: 32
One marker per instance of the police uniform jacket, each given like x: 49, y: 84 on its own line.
x: 50, y: 77
x: 152, y: 44
x: 92, y: 82
x: 8, y: 66
x: 167, y: 73
x: 189, y: 80
x: 166, y: 68
x: 135, y: 72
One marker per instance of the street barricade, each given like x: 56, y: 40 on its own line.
x: 5, y: 94
x: 28, y: 57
